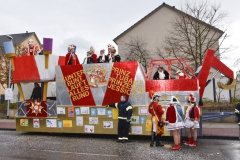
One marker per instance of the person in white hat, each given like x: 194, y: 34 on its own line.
x: 174, y: 121
x: 71, y: 58
x: 156, y: 110
x: 31, y: 49
x: 192, y: 120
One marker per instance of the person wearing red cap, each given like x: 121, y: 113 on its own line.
x: 156, y: 110
x: 174, y: 121
x: 192, y: 120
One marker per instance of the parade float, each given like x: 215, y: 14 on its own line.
x: 83, y: 91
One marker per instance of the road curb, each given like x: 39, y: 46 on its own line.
x: 219, y: 137
x: 133, y: 137
x: 8, y: 129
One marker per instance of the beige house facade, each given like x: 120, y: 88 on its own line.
x: 154, y: 27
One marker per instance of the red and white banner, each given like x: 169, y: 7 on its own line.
x: 32, y: 68
x: 120, y: 81
x: 77, y: 85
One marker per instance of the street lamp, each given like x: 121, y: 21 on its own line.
x: 9, y: 53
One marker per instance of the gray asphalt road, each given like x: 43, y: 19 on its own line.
x: 15, y: 145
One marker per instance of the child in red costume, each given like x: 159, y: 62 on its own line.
x: 156, y: 110
x: 192, y: 120
x: 174, y: 121
x: 71, y: 58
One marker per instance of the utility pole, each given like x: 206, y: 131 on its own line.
x: 9, y: 50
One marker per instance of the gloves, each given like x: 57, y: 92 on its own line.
x: 237, y: 111
x: 128, y: 120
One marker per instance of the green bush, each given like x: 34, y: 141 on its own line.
x: 4, y: 105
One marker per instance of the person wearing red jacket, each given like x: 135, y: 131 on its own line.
x: 192, y: 120
x: 174, y: 121
x: 71, y: 58
x: 156, y: 110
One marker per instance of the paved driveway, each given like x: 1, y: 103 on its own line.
x: 15, y: 145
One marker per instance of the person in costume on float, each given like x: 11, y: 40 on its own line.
x: 36, y: 93
x: 161, y: 74
x: 89, y: 59
x: 181, y: 75
x: 41, y: 50
x: 102, y: 58
x: 237, y: 111
x: 31, y: 49
x: 114, y: 56
x: 110, y: 47
x: 95, y: 59
x: 174, y: 121
x: 156, y: 110
x: 71, y: 57
x: 192, y: 120
x: 124, y: 118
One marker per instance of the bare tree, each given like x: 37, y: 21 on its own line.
x: 136, y: 50
x: 195, y: 30
x: 3, y: 68
x: 4, y: 63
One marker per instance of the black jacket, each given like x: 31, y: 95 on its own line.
x: 89, y: 60
x: 156, y: 75
x: 100, y: 58
x: 36, y: 93
x: 124, y: 109
x: 116, y: 58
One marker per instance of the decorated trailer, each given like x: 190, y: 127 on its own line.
x: 83, y: 91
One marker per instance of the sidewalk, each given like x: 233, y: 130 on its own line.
x: 209, y: 129
x: 220, y: 129
x: 7, y: 124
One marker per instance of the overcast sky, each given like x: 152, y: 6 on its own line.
x: 94, y: 23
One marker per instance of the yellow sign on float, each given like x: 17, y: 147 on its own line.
x: 67, y: 123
